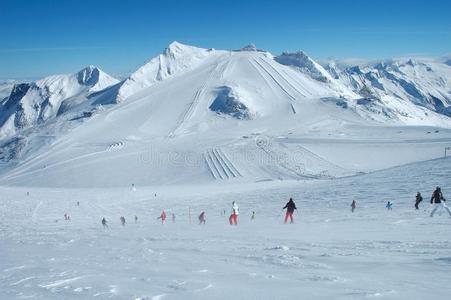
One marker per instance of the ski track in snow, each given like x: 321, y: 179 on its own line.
x: 219, y: 165
x: 328, y: 253
x: 116, y: 146
x: 303, y: 94
x: 35, y: 211
x: 284, y: 90
x: 188, y: 113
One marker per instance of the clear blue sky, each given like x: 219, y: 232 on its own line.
x: 43, y: 37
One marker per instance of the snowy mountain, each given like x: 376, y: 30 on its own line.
x: 397, y: 84
x: 175, y: 59
x: 33, y: 103
x: 6, y: 87
x: 305, y: 64
x: 193, y: 115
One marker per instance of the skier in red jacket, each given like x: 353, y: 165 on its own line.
x: 162, y: 217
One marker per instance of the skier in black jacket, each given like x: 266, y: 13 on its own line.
x: 439, y: 201
x: 290, y: 206
x: 418, y: 199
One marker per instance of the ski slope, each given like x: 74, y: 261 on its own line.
x: 195, y: 129
x: 328, y: 253
x: 195, y: 116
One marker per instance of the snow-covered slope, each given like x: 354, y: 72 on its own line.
x: 195, y: 115
x: 175, y: 59
x: 33, y: 103
x: 196, y: 129
x: 223, y: 98
x: 328, y: 253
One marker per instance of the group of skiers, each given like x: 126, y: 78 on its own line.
x: 162, y: 217
x: 290, y: 207
x: 233, y: 219
x: 437, y: 200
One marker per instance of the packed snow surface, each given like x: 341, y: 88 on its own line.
x: 328, y: 253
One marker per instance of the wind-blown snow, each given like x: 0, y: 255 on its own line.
x: 328, y: 253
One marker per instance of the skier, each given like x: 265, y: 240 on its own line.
x: 439, y: 201
x: 122, y: 220
x: 233, y: 219
x: 290, y: 206
x: 78, y: 203
x: 353, y: 205
x: 389, y: 205
x: 133, y: 188
x: 202, y: 218
x: 136, y: 219
x: 173, y: 218
x: 104, y: 223
x: 65, y: 217
x: 418, y: 199
x: 253, y: 216
x: 162, y: 217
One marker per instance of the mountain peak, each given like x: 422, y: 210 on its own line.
x: 89, y: 75
x: 411, y: 62
x: 176, y: 44
x: 299, y: 55
x: 175, y: 48
x: 250, y: 47
x: 176, y: 58
x: 304, y: 63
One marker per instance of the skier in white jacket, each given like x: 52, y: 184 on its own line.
x: 233, y: 219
